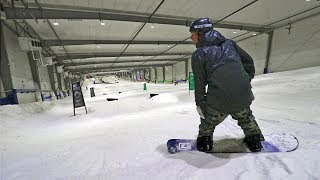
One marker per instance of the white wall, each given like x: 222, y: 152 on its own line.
x: 67, y: 83
x: 137, y: 75
x: 19, y: 67
x: 44, y: 78
x: 62, y: 82
x: 24, y: 98
x: 179, y: 70
x: 146, y: 74
x: 19, y: 62
x: 56, y: 84
x: 142, y: 75
x: 153, y: 75
x: 21, y: 70
x: 168, y: 73
x: 134, y: 75
x: 2, y: 94
x: 159, y: 73
x: 189, y: 66
x: 299, y: 49
x: 257, y: 48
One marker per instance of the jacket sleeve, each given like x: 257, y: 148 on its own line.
x: 200, y: 77
x: 246, y: 60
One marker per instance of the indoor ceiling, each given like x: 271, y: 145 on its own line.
x: 106, y: 35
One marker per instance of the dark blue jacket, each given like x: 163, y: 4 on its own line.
x: 227, y: 70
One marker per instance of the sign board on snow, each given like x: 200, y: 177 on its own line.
x: 78, y: 100
x: 92, y: 94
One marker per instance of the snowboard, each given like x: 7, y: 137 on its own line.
x: 273, y: 143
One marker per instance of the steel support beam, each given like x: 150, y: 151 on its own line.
x: 172, y: 73
x: 117, y: 67
x: 58, y: 79
x: 187, y: 68
x: 111, y: 71
x: 269, y: 46
x: 128, y: 61
x: 10, y: 28
x: 5, y: 70
x: 155, y: 75
x: 84, y: 56
x: 84, y: 42
x: 51, y: 72
x: 52, y: 13
x: 164, y: 73
x: 34, y: 71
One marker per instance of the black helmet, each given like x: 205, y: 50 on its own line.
x: 201, y: 25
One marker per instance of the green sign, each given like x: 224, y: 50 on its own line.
x: 191, y: 81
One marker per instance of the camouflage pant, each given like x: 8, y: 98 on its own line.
x: 213, y: 118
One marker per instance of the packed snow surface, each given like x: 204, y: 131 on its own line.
x: 126, y: 139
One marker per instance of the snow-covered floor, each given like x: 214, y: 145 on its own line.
x: 126, y: 139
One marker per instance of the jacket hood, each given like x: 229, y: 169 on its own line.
x: 212, y: 37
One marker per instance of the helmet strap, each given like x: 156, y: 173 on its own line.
x: 199, y: 35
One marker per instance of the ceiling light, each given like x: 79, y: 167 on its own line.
x: 102, y: 23
x: 234, y: 32
x: 308, y: 0
x: 254, y: 34
x: 152, y: 26
x: 98, y: 46
x: 132, y: 45
x: 168, y: 45
x: 56, y: 23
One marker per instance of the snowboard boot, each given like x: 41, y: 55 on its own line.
x: 253, y: 142
x: 204, y: 143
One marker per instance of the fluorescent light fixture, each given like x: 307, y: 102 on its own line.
x: 168, y: 45
x: 152, y: 26
x: 254, y: 34
x: 56, y: 23
x: 102, y: 23
x: 308, y: 0
x: 234, y: 32
x: 132, y: 45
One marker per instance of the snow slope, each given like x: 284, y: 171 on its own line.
x: 126, y: 139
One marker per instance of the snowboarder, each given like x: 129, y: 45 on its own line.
x: 227, y: 70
